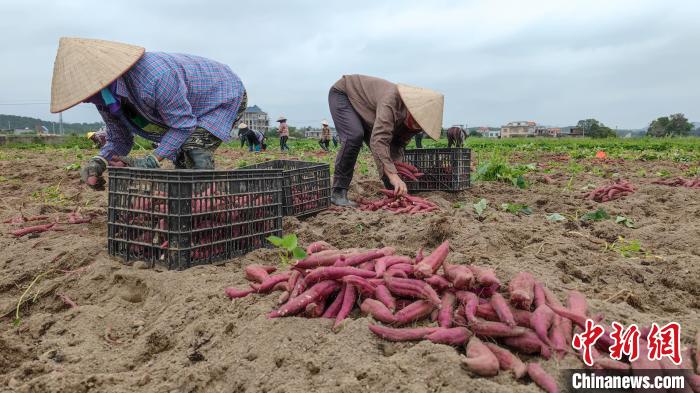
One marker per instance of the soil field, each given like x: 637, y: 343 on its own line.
x: 138, y: 329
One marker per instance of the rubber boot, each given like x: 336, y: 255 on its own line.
x: 339, y: 197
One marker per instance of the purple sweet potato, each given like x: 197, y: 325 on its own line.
x: 541, y: 320
x: 480, y: 360
x: 316, y: 292
x: 235, y: 293
x: 383, y: 295
x: 521, y: 289
x: 504, y: 313
x: 495, y: 329
x: 359, y: 258
x: 507, y: 360
x: 577, y: 302
x: 335, y: 273
x: 349, y: 299
x: 318, y: 246
x: 377, y: 310
x: 557, y: 338
x: 460, y: 276
x: 365, y: 287
x: 258, y: 273
x: 430, y: 264
x: 412, y: 288
x: 485, y: 276
x: 541, y: 378
x: 333, y: 309
x: 450, y: 336
x: 414, y: 312
x: 401, y: 334
x: 446, y: 310
x: 270, y: 282
x: 438, y: 282
x: 539, y: 295
x: 528, y: 343
x: 322, y: 258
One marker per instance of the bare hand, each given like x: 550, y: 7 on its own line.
x: 399, y: 185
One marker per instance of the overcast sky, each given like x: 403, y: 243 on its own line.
x: 624, y: 62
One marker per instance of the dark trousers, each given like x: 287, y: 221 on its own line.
x: 283, y: 143
x: 351, y: 133
x: 325, y: 145
x: 198, y: 151
x: 419, y: 140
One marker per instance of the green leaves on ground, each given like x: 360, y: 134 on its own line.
x: 598, y: 215
x: 500, y: 170
x: 516, y: 208
x: 480, y: 207
x: 624, y: 221
x: 287, y: 246
x: 626, y: 248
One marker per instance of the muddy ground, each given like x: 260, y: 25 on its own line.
x: 163, y: 331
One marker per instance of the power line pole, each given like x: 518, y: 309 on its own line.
x: 60, y: 123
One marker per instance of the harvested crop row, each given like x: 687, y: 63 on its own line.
x: 612, y: 191
x: 679, y: 182
x: 404, y: 204
x: 425, y: 298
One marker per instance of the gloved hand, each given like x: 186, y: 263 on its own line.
x: 91, y: 173
x: 148, y: 161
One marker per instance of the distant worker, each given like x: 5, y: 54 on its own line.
x: 335, y: 141
x: 325, y: 136
x: 419, y: 140
x: 187, y: 104
x: 455, y: 136
x: 254, y: 139
x: 283, y: 131
x: 385, y: 116
x: 99, y: 138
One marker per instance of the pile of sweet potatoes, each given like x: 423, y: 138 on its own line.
x: 611, y: 191
x: 679, y: 182
x: 407, y: 171
x: 427, y: 298
x: 404, y: 204
x: 72, y: 218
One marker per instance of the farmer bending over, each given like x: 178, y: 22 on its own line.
x: 187, y: 104
x: 283, y: 132
x: 385, y: 116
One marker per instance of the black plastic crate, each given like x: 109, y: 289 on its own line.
x: 306, y: 186
x: 443, y: 169
x: 182, y: 218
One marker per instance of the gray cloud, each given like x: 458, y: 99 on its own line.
x: 555, y: 62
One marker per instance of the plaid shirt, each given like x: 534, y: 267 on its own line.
x: 179, y: 92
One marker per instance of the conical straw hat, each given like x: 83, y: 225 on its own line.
x: 85, y: 66
x: 426, y: 106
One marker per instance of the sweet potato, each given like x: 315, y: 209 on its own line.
x: 322, y: 258
x: 541, y: 378
x: 419, y: 255
x: 470, y: 301
x: 538, y: 294
x: 295, y: 305
x: 507, y: 360
x: 318, y: 246
x: 33, y: 229
x: 257, y: 273
x: 697, y: 352
x: 335, y: 273
x: 578, y: 319
x: 332, y: 310
x: 521, y: 290
x: 402, y: 267
x: 480, y: 360
x: 359, y: 258
x: 365, y: 287
x: 501, y: 307
x: 485, y: 276
x: 349, y: 299
x: 235, y: 293
x: 495, y: 329
x: 577, y: 302
x: 438, y: 282
x: 457, y: 336
x: 315, y: 309
x: 414, y: 312
x: 377, y: 310
x: 412, y: 288
x: 430, y: 264
x: 528, y: 343
x: 270, y: 282
x: 401, y: 334
x: 460, y: 276
x: 557, y: 337
x: 541, y: 320
x: 446, y: 310
x: 383, y: 295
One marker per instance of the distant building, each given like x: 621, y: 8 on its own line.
x: 518, y: 129
x: 256, y: 119
x: 21, y: 131
x: 489, y: 132
x: 570, y: 131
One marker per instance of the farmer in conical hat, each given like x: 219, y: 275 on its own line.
x: 283, y: 132
x: 383, y: 115
x: 325, y: 139
x: 187, y: 104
